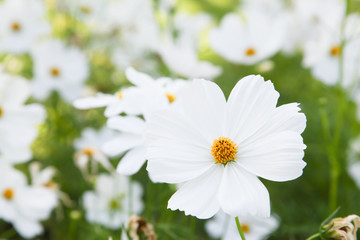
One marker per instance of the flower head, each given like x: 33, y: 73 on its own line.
x: 217, y: 149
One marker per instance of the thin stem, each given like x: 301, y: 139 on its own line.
x: 239, y: 228
x: 313, y: 236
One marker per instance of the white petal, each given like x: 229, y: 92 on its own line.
x: 100, y: 100
x: 250, y: 105
x: 176, y: 163
x: 277, y: 157
x: 132, y: 161
x: 241, y: 193
x: 36, y: 202
x: 198, y: 197
x: 138, y: 78
x: 27, y: 228
x: 130, y: 124
x: 121, y: 144
x: 204, y: 102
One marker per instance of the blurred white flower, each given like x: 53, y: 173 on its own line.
x: 128, y: 100
x: 254, y: 228
x: 21, y: 24
x: 18, y: 122
x: 218, y: 149
x: 184, y: 48
x: 22, y: 205
x: 111, y: 203
x: 248, y: 39
x: 158, y: 94
x: 88, y: 148
x: 323, y: 55
x: 89, y: 11
x: 316, y: 16
x: 58, y: 67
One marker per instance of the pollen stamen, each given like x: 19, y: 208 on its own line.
x: 223, y: 150
x: 170, y: 97
x: 1, y: 111
x: 119, y: 95
x: 250, y: 51
x: 55, y: 71
x: 88, y: 151
x: 8, y: 193
x: 15, y: 26
x: 335, y: 50
x: 245, y: 228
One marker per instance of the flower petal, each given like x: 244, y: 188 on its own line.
x: 241, y: 193
x: 208, y: 97
x: 121, y: 144
x: 132, y: 161
x: 198, y: 197
x: 251, y: 103
x: 100, y: 100
x: 130, y: 124
x: 277, y: 157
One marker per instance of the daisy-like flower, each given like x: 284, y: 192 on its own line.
x: 127, y: 100
x: 323, y: 55
x: 158, y: 94
x: 22, y: 205
x: 21, y: 24
x: 111, y: 202
x: 248, y: 39
x: 184, y: 48
x: 217, y: 149
x: 18, y: 122
x: 89, y: 149
x: 60, y: 68
x: 254, y: 228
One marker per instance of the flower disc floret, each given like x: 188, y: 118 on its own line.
x: 8, y: 193
x: 170, y: 97
x: 250, y: 51
x: 1, y: 111
x: 223, y: 150
x: 55, y: 72
x: 335, y: 50
x: 15, y: 26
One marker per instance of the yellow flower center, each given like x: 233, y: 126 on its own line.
x: 88, y: 151
x: 8, y: 193
x: 1, y: 111
x: 245, y: 228
x: 85, y: 10
x: 223, y: 150
x: 119, y: 95
x: 114, y: 204
x: 170, y: 97
x: 55, y: 72
x: 335, y: 50
x: 15, y: 26
x: 250, y: 52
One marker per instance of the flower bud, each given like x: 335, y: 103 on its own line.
x: 342, y: 228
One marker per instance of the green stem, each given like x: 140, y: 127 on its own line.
x: 239, y: 228
x: 313, y: 236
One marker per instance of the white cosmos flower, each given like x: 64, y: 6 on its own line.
x: 185, y: 47
x: 248, y: 39
x: 323, y: 55
x: 217, y: 149
x: 158, y: 94
x: 22, y: 205
x: 21, y: 24
x: 89, y: 11
x: 254, y: 228
x: 111, y: 203
x: 18, y: 122
x: 88, y: 148
x: 127, y: 100
x: 58, y: 67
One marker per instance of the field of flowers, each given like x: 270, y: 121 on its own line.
x: 179, y: 119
